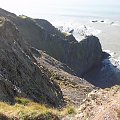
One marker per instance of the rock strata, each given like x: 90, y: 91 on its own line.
x: 19, y: 73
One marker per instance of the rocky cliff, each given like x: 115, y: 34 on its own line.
x: 74, y: 89
x: 19, y: 73
x: 39, y: 63
x: 79, y: 56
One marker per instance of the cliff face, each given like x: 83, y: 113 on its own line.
x: 80, y: 56
x: 40, y: 63
x: 23, y: 71
x: 19, y: 73
x: 64, y: 77
x: 40, y: 34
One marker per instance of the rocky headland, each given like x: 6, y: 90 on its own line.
x: 40, y: 63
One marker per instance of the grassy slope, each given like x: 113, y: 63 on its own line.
x: 25, y: 109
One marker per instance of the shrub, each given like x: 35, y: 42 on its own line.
x: 22, y: 101
x: 71, y: 110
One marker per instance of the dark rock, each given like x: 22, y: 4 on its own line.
x: 94, y: 21
x: 65, y: 78
x: 19, y: 73
x: 6, y: 90
x: 70, y: 38
x: 78, y: 56
x: 102, y: 21
x: 71, y: 31
x: 48, y: 27
x: 105, y: 55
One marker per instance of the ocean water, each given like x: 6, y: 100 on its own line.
x: 108, y: 9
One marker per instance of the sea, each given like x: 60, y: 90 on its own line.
x: 79, y: 9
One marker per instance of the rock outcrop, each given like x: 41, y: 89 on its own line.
x: 19, y: 73
x: 102, y: 104
x: 79, y: 56
x: 74, y: 89
x: 6, y: 90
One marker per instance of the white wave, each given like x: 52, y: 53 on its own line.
x: 112, y: 54
x: 78, y: 30
x: 111, y: 63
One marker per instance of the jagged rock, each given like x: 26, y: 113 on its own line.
x: 64, y: 77
x: 19, y: 73
x: 100, y: 104
x: 6, y: 90
x: 48, y: 27
x: 70, y: 38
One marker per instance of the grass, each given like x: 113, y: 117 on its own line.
x: 22, y: 101
x: 25, y: 109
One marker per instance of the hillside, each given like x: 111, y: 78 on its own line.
x: 42, y: 70
x: 102, y: 104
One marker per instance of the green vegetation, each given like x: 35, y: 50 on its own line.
x: 25, y: 109
x: 61, y: 80
x: 22, y: 101
x: 71, y: 110
x: 54, y: 76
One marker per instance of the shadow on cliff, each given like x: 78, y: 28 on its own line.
x: 106, y: 75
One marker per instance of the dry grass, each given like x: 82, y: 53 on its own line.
x: 28, y: 110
